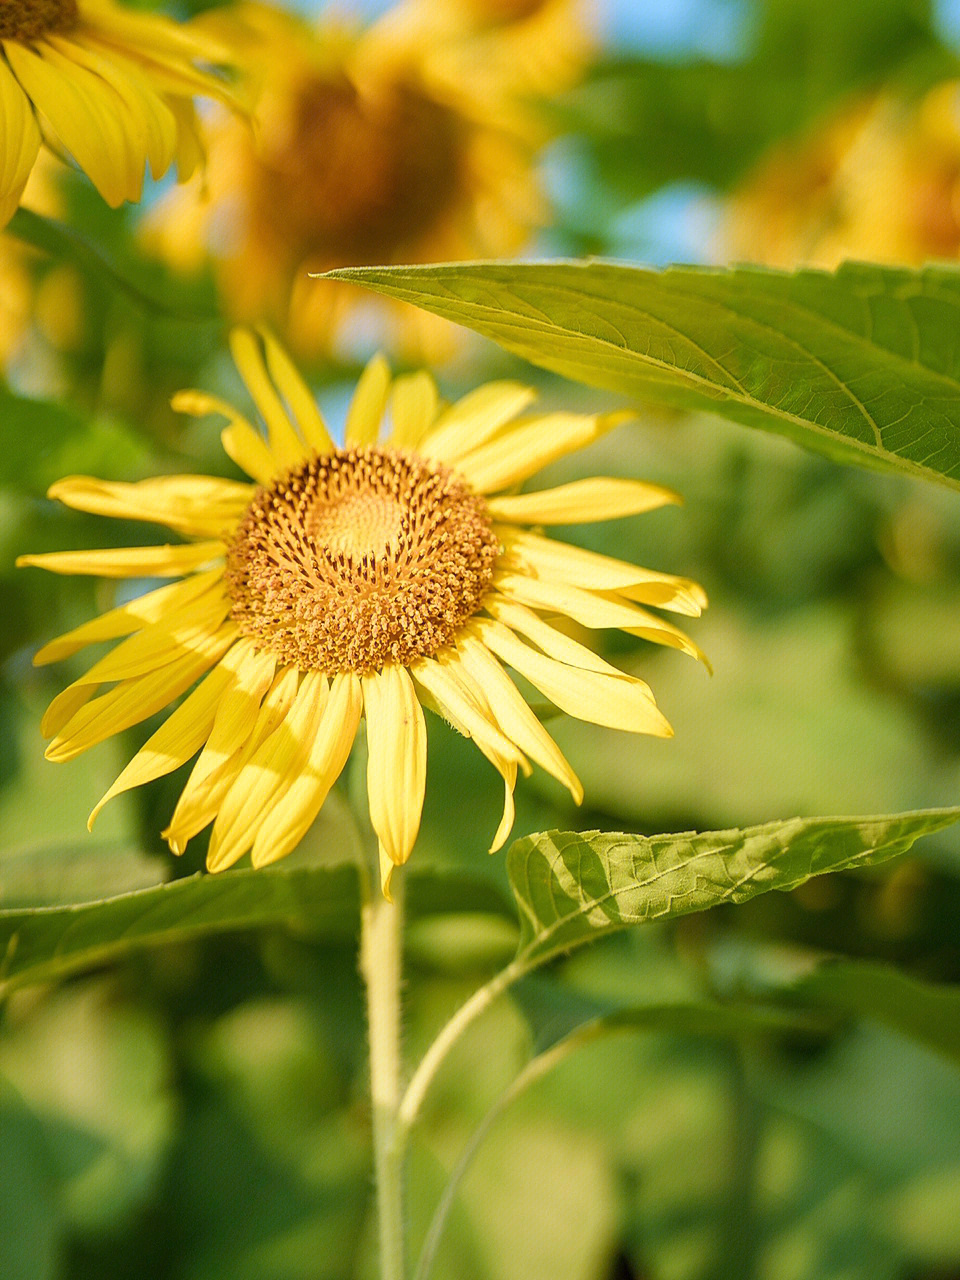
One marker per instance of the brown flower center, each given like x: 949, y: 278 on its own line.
x: 507, y: 10
x: 354, y: 177
x: 29, y: 19
x: 365, y: 557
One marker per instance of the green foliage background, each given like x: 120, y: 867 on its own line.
x: 197, y: 1111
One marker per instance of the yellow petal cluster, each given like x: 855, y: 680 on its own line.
x: 273, y: 737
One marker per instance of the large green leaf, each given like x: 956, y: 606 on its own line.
x: 573, y: 887
x: 863, y: 364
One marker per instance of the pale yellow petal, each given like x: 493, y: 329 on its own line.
x: 475, y: 418
x: 516, y: 454
x: 550, y: 559
x: 178, y: 738
x: 170, y: 637
x: 129, y: 562
x: 19, y: 142
x: 297, y: 805
x: 241, y: 440
x: 196, y: 506
x: 86, y: 115
x: 414, y: 402
x: 368, y: 404
x: 297, y: 394
x: 203, y: 794
x: 582, y: 501
x: 396, y: 760
x: 619, y: 702
x: 513, y: 714
x: 554, y: 643
x: 285, y: 444
x: 139, y: 96
x: 251, y: 798
x: 127, y: 618
x: 132, y: 701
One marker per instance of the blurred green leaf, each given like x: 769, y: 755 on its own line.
x: 30, y: 1222
x: 572, y: 888
x: 863, y: 364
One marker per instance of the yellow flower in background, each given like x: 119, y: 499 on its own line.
x: 367, y: 149
x: 361, y: 581
x: 108, y: 86
x: 879, y: 182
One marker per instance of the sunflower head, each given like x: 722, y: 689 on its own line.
x: 28, y: 19
x: 354, y: 582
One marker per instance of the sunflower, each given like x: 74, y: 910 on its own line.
x: 880, y: 180
x: 356, y: 582
x: 367, y: 149
x: 112, y: 88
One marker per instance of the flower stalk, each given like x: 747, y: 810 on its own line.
x: 381, y: 948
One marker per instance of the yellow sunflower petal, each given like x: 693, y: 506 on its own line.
x: 619, y: 702
x: 127, y: 618
x: 161, y: 642
x: 250, y: 800
x: 397, y: 759
x: 19, y: 142
x: 196, y: 506
x: 513, y: 714
x: 128, y: 562
x: 414, y: 402
x: 300, y: 802
x: 144, y: 103
x: 87, y: 116
x: 203, y: 794
x: 562, y: 562
x: 64, y: 706
x: 368, y: 404
x: 553, y: 642
x: 516, y: 454
x: 180, y: 735
x: 475, y: 418
x: 241, y: 440
x: 285, y: 444
x: 297, y: 394
x: 134, y: 700
x: 582, y: 501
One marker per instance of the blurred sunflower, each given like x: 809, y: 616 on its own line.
x: 111, y: 87
x: 369, y: 149
x: 879, y: 182
x: 349, y: 582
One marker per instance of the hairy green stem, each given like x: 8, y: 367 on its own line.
x: 381, y: 943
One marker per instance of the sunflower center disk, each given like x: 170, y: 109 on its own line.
x: 365, y: 557
x: 29, y: 19
x: 353, y: 176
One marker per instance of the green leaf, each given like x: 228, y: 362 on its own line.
x: 43, y: 943
x: 863, y: 364
x: 572, y: 888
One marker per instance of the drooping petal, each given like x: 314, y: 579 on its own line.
x: 554, y: 643
x: 296, y: 808
x: 475, y: 418
x: 513, y: 714
x: 285, y: 444
x: 368, y: 404
x: 19, y: 142
x: 582, y: 501
x: 250, y: 800
x: 134, y: 700
x: 196, y: 506
x: 397, y: 759
x: 178, y: 738
x: 128, y: 562
x: 550, y: 559
x: 619, y: 702
x: 127, y: 618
